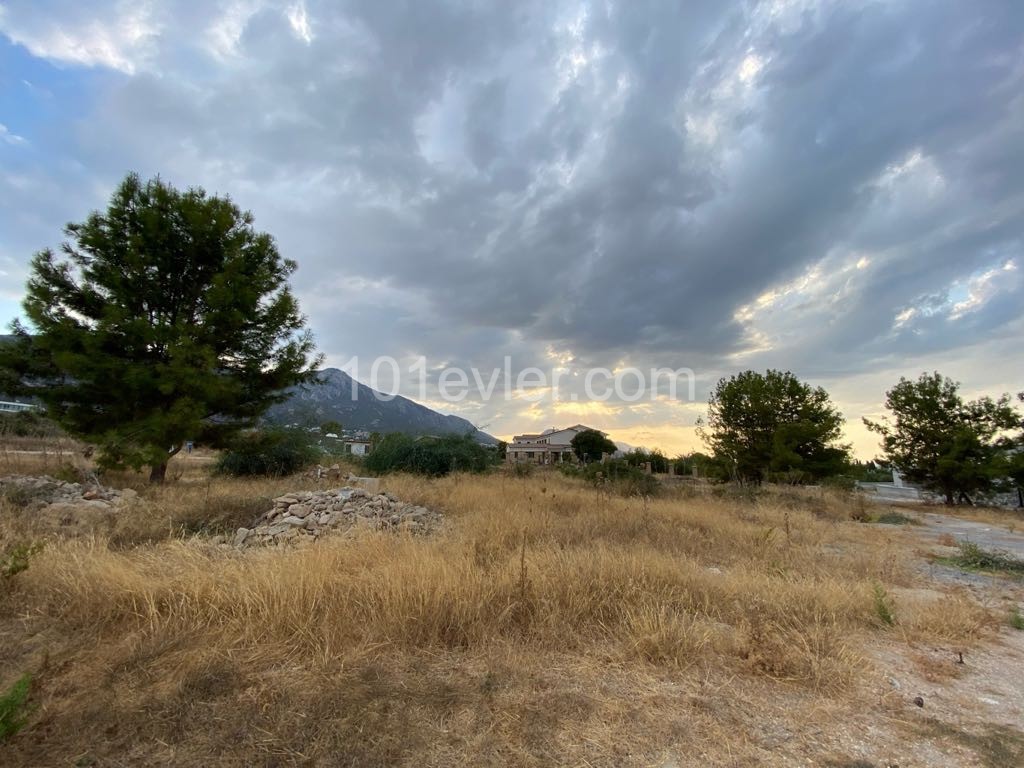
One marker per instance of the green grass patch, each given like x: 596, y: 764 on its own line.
x: 974, y: 558
x: 14, y: 708
x: 1016, y: 619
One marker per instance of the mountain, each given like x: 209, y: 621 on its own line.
x: 331, y: 400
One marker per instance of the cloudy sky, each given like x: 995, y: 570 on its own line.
x: 834, y: 188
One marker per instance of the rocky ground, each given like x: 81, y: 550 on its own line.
x: 305, y: 515
x: 64, y: 505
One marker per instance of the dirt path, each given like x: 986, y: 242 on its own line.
x: 985, y: 535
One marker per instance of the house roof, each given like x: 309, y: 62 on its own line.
x: 553, y: 430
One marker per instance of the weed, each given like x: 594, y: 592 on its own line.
x: 974, y: 558
x: 17, y: 559
x: 14, y: 708
x: 883, y: 606
x: 1016, y: 619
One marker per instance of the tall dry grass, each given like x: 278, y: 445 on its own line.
x: 781, y: 588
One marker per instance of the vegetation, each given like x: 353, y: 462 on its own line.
x: 14, y: 707
x: 27, y: 424
x: 773, y: 426
x: 884, y: 607
x: 268, y: 452
x: 974, y: 558
x: 432, y: 456
x: 618, y: 475
x: 1017, y: 619
x: 702, y: 465
x: 16, y: 561
x: 939, y: 440
x: 591, y: 445
x: 170, y: 320
x: 658, y: 461
x: 476, y: 642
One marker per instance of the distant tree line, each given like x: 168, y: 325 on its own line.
x: 771, y: 426
x: 168, y: 317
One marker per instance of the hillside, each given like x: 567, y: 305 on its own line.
x: 332, y: 400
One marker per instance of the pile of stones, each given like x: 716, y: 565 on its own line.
x: 48, y: 493
x: 306, y: 515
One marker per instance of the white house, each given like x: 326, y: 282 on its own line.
x: 357, y: 447
x: 9, y: 407
x: 552, y: 446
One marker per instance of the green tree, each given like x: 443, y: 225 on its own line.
x: 939, y: 440
x: 773, y: 424
x: 170, y: 319
x: 589, y: 445
x: 331, y: 427
x: 433, y: 456
x: 638, y: 456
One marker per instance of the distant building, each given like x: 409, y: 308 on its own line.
x: 357, y: 447
x: 552, y: 446
x: 12, y: 407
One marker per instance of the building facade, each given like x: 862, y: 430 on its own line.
x: 552, y: 446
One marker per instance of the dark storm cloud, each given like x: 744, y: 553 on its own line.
x: 614, y: 181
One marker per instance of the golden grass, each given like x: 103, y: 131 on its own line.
x: 526, y: 576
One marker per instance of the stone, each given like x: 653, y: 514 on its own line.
x: 336, y: 511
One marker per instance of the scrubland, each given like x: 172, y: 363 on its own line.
x: 549, y: 622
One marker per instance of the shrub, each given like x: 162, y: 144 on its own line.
x: 522, y: 469
x: 1016, y: 619
x: 13, y: 708
x: 622, y: 477
x: 974, y: 558
x: 17, y: 559
x: 883, y: 606
x: 432, y: 456
x: 272, y: 453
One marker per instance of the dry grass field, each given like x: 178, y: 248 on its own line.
x: 549, y: 623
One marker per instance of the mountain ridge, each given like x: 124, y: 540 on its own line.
x: 331, y: 399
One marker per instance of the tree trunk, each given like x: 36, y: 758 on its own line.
x: 158, y: 472
x: 949, y: 499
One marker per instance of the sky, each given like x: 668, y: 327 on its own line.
x: 830, y: 187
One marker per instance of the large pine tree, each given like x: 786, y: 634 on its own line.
x: 169, y: 319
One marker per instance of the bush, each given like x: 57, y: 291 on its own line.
x: 272, y: 453
x: 432, y: 456
x: 638, y: 456
x: 522, y: 469
x: 622, y: 477
x: 16, y: 561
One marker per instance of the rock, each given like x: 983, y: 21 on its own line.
x: 301, y: 518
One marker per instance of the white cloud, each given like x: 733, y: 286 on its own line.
x: 11, y: 138
x: 116, y: 36
x: 982, y: 288
x: 299, y: 20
